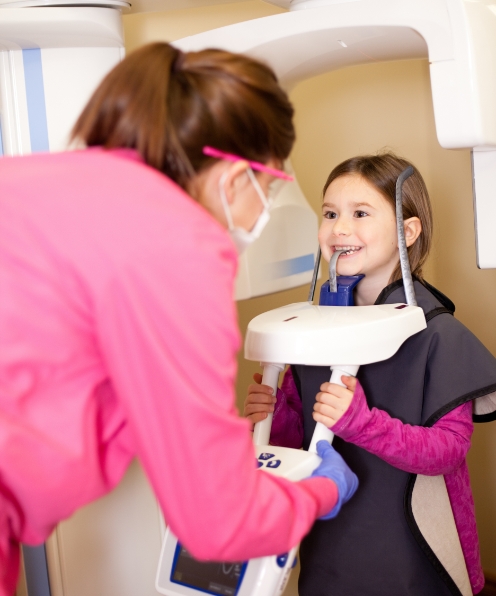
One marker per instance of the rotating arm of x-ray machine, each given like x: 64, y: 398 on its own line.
x: 457, y: 36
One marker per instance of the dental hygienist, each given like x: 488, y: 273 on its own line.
x: 117, y: 322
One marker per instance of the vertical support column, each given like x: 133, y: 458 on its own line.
x: 321, y: 432
x: 261, y: 432
x: 36, y: 570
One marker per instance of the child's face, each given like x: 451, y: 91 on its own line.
x: 359, y: 218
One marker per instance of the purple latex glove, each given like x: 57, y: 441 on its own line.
x: 336, y: 469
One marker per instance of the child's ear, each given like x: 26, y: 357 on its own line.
x: 413, y: 229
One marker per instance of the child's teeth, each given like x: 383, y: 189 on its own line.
x: 348, y: 250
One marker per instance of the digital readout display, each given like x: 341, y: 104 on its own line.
x: 221, y: 579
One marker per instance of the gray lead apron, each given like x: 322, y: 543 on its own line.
x: 386, y: 541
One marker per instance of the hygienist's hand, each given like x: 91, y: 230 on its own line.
x: 260, y: 401
x: 333, y: 401
x: 336, y: 469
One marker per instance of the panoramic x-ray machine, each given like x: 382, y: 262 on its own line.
x: 54, y: 52
x: 315, y: 37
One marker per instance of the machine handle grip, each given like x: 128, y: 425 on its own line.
x: 270, y: 377
x: 321, y: 431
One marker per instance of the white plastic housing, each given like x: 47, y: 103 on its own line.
x: 292, y: 464
x: 122, y: 4
x: 51, y: 60
x: 304, y: 333
x: 264, y: 576
x: 284, y: 255
x: 458, y: 36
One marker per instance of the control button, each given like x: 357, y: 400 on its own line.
x: 275, y: 463
x: 259, y: 464
x: 281, y: 560
x: 265, y: 456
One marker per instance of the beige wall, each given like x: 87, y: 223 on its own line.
x: 341, y: 114
x: 175, y: 24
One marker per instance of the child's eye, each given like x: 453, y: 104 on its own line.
x: 360, y: 214
x: 330, y: 215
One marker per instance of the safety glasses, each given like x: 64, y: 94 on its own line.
x: 254, y: 165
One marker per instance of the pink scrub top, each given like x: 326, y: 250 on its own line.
x: 118, y: 339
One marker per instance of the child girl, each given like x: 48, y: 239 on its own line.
x: 404, y: 425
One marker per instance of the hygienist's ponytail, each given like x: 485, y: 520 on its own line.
x: 168, y: 105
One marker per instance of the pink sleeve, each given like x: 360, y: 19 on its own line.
x: 440, y: 449
x: 287, y: 423
x: 167, y: 327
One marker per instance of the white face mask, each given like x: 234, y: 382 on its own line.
x: 241, y: 237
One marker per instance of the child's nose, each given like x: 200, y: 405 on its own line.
x: 341, y: 227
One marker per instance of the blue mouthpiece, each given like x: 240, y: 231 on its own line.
x: 344, y: 296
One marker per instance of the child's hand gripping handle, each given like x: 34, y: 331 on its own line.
x: 261, y: 432
x: 321, y: 432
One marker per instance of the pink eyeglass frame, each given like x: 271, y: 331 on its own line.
x: 255, y: 165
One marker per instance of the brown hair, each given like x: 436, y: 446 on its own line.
x: 381, y: 171
x: 168, y: 105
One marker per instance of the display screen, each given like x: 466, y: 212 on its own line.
x: 221, y: 579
